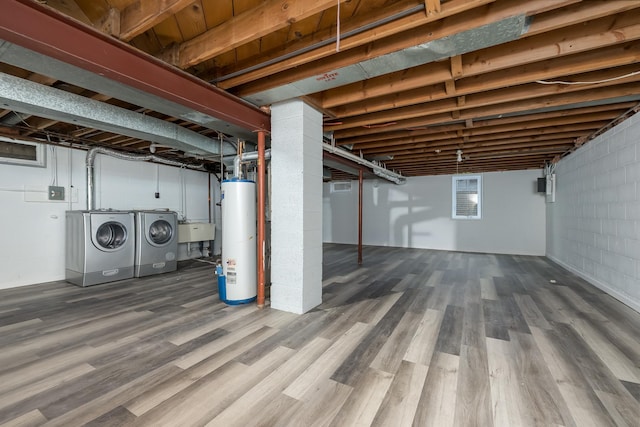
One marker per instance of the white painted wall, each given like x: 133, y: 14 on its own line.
x: 33, y: 228
x: 418, y: 215
x: 593, y: 228
x: 296, y: 223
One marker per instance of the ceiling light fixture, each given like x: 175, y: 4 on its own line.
x: 459, y: 153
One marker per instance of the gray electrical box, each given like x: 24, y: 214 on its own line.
x: 56, y: 193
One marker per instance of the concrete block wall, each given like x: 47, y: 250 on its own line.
x: 593, y: 228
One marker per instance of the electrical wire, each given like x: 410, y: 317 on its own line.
x: 560, y: 82
x: 338, y: 28
x: 70, y: 166
x: 54, y: 163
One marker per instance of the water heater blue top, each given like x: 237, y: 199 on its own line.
x: 234, y: 179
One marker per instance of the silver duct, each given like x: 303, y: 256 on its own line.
x: 41, y: 64
x: 246, y: 157
x: 488, y: 35
x: 93, y: 152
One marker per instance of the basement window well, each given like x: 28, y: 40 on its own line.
x: 467, y: 197
x: 22, y: 152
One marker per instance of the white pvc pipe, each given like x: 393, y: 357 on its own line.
x: 380, y: 171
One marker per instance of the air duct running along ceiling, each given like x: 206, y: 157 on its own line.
x: 47, y: 66
x: 493, y: 34
x: 32, y: 98
x: 53, y: 35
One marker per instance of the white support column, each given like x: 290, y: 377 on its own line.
x: 296, y: 206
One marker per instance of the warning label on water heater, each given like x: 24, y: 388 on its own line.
x: 231, y: 277
x: 231, y: 272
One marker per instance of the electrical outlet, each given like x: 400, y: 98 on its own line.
x: 56, y: 193
x: 157, y: 195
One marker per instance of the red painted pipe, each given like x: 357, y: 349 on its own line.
x: 261, y: 218
x: 360, y: 179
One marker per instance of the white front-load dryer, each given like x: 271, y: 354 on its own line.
x: 156, y: 242
x: 100, y: 246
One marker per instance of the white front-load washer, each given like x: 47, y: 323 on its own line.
x: 100, y: 246
x: 156, y: 242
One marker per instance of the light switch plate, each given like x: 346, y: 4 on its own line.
x: 56, y: 193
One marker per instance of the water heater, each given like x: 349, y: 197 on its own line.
x: 237, y: 275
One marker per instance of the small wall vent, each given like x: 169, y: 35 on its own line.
x: 340, y: 186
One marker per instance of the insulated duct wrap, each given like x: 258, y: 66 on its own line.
x: 429, y: 51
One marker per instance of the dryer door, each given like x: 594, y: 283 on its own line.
x: 160, y: 232
x: 110, y: 236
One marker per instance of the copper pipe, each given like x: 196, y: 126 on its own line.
x: 360, y: 179
x: 261, y: 218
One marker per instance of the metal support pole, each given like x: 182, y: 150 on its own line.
x: 261, y: 218
x: 360, y: 179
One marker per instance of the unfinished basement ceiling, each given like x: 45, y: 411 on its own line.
x: 512, y: 84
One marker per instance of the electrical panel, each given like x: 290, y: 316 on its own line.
x: 551, y: 188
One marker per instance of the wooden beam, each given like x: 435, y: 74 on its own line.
x: 110, y: 23
x: 490, y: 154
x: 269, y: 16
x: 608, y: 31
x: 591, y: 95
x: 456, y: 67
x: 432, y: 7
x: 498, y: 96
x: 70, y: 8
x: 8, y: 131
x: 580, y: 44
x: 560, y: 124
x: 525, y: 121
x: 377, y: 46
x: 362, y: 40
x: 628, y: 53
x: 32, y: 26
x: 482, y: 141
x: 568, y: 131
x: 434, y: 155
x: 449, y: 87
x: 577, y: 13
x: 143, y: 15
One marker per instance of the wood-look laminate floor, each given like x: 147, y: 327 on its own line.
x: 412, y: 337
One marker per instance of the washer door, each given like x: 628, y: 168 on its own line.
x: 110, y: 236
x: 160, y: 232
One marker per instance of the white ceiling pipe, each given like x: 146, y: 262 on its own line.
x: 380, y: 171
